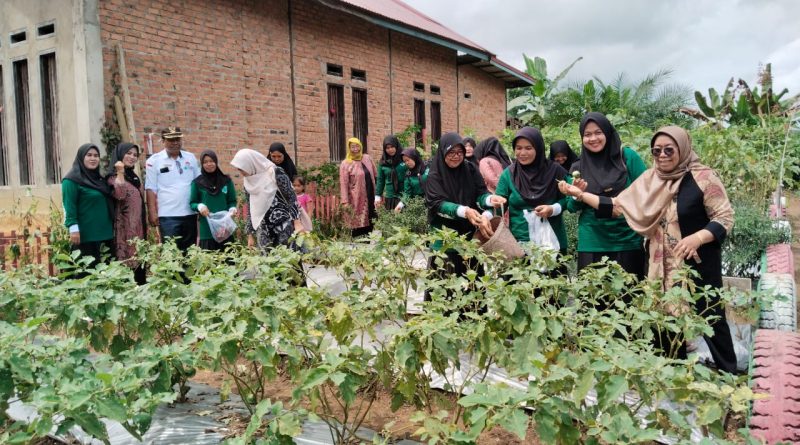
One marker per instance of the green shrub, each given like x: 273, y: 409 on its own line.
x: 414, y: 217
x: 752, y: 232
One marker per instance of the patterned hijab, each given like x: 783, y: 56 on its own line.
x: 260, y: 183
x: 354, y: 157
x: 646, y: 200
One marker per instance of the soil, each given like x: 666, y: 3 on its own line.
x: 396, y: 425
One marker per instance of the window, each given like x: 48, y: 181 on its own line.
x: 47, y: 63
x: 419, y: 86
x: 467, y: 96
x: 358, y: 74
x: 21, y: 92
x: 336, y: 140
x: 419, y: 121
x: 18, y: 37
x: 360, y: 123
x: 436, y: 121
x: 46, y: 30
x: 3, y: 161
x: 335, y: 70
x: 436, y: 90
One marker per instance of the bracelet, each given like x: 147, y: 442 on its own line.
x: 700, y: 238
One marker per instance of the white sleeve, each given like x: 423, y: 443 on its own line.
x: 195, y: 164
x: 462, y: 211
x: 151, y: 174
x: 556, y: 209
x: 74, y: 228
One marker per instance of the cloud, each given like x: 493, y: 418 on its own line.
x: 704, y: 42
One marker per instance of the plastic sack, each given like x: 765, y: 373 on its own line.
x: 305, y: 220
x: 221, y: 225
x: 540, y: 231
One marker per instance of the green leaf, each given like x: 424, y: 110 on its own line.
x: 582, y: 386
x: 91, y: 425
x: 111, y: 408
x: 42, y: 425
x: 516, y: 422
x: 22, y: 368
x: 314, y: 378
x: 609, y: 391
x: 709, y: 412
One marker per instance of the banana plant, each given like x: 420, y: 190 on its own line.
x: 532, y: 101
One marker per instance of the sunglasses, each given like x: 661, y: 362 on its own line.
x: 668, y: 151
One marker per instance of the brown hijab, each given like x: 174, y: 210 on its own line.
x: 646, y: 200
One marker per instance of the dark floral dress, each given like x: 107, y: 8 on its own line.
x: 278, y: 224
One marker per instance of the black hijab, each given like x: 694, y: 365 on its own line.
x: 392, y: 161
x: 537, y: 181
x: 287, y: 165
x: 490, y: 147
x: 563, y: 147
x: 461, y: 185
x: 473, y: 159
x: 213, y: 182
x: 81, y: 175
x: 117, y: 156
x: 605, y: 172
x: 419, y: 164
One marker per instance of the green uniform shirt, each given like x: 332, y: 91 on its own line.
x: 223, y: 200
x: 384, y: 184
x: 516, y: 204
x: 608, y: 234
x: 88, y: 208
x: 412, y: 187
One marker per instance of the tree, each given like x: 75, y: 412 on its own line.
x: 529, y: 104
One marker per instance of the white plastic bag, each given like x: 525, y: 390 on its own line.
x: 540, y: 231
x: 221, y: 224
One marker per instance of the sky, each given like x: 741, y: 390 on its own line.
x: 703, y: 42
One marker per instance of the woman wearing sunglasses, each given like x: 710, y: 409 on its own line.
x: 681, y: 207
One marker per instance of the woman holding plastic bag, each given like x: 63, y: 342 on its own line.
x: 213, y: 196
x: 529, y: 188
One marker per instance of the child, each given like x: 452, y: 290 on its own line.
x: 299, y: 185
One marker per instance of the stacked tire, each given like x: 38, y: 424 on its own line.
x: 776, y: 353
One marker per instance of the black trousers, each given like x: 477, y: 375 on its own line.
x: 212, y: 244
x: 182, y: 228
x: 720, y: 344
x: 95, y: 250
x: 631, y: 261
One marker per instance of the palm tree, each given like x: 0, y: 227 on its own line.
x: 648, y: 102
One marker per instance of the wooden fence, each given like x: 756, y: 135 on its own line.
x: 17, y: 249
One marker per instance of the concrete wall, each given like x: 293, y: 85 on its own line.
x: 79, y: 98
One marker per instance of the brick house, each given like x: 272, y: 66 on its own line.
x: 232, y: 74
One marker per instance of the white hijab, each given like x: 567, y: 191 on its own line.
x: 260, y: 184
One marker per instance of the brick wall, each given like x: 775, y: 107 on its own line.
x: 218, y: 69
x: 321, y: 36
x: 414, y: 60
x: 221, y: 70
x: 485, y: 111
